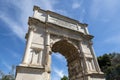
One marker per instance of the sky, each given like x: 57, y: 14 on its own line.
x: 102, y: 17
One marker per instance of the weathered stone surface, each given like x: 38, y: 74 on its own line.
x: 51, y: 32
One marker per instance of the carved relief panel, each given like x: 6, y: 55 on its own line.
x: 75, y: 69
x: 90, y: 64
x: 35, y: 56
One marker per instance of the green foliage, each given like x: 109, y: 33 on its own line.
x: 110, y: 65
x: 9, y: 76
x: 104, y: 61
x: 64, y: 78
x: 116, y: 59
x: 5, y: 78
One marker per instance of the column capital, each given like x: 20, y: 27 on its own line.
x: 90, y: 43
x: 37, y: 50
x: 32, y: 28
x: 47, y: 31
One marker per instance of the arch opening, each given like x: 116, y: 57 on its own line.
x: 66, y: 48
x: 70, y: 52
x: 59, y: 66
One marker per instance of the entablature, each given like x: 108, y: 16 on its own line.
x: 47, y: 16
x: 33, y: 21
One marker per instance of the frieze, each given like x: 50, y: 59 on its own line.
x: 63, y: 23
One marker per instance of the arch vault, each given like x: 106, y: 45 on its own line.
x: 51, y: 32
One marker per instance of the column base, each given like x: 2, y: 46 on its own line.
x: 95, y: 76
x: 31, y: 73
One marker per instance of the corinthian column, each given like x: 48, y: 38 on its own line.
x: 29, y: 41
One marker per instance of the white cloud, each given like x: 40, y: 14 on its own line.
x: 75, y: 5
x: 58, y: 73
x: 25, y: 11
x: 13, y: 53
x: 55, y: 78
x: 82, y: 15
x: 94, y: 8
x: 63, y: 12
x: 113, y: 39
x: 59, y: 57
x: 108, y: 7
x: 46, y: 4
x: 6, y: 65
x: 17, y: 29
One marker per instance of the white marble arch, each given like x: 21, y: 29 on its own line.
x: 49, y: 31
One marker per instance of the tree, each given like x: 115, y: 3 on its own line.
x: 116, y: 59
x: 5, y: 77
x: 117, y: 69
x: 104, y: 61
x: 1, y: 74
x: 9, y: 76
x: 110, y: 65
x: 64, y: 78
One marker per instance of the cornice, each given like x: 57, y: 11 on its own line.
x: 32, y: 21
x: 36, y: 8
x: 48, y: 12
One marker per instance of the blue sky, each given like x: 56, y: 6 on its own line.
x: 102, y: 16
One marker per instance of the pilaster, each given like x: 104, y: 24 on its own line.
x: 83, y: 57
x: 48, y: 53
x: 94, y: 57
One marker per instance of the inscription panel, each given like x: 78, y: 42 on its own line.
x: 65, y: 24
x: 44, y: 17
x: 75, y: 70
x: 62, y: 23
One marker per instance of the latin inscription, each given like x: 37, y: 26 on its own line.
x: 63, y: 23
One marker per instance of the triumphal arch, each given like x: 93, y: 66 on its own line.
x: 51, y: 32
